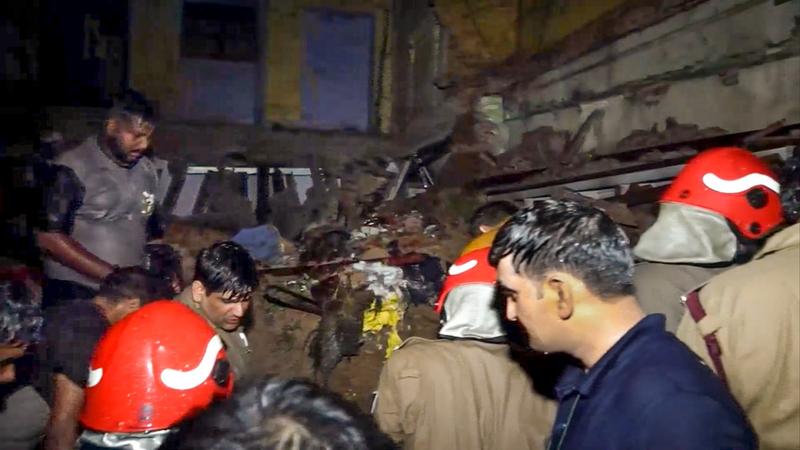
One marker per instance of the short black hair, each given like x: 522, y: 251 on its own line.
x: 162, y: 261
x: 226, y: 268
x: 132, y: 104
x: 490, y: 214
x: 126, y: 283
x: 568, y: 236
x: 280, y: 414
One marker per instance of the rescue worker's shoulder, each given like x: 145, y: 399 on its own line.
x: 420, y: 353
x: 771, y: 281
x: 646, y: 269
x: 413, y: 346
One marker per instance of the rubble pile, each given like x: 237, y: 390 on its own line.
x: 345, y: 276
x: 360, y: 282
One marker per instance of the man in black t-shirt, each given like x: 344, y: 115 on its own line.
x: 71, y: 332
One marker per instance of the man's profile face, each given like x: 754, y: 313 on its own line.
x: 131, y: 137
x: 123, y: 308
x: 526, y: 303
x: 223, y: 310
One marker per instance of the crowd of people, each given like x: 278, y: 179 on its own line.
x: 555, y: 332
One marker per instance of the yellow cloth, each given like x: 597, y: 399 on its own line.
x: 389, y: 315
x: 482, y: 241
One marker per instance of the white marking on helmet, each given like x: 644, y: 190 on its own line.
x: 95, y: 375
x: 184, y: 380
x: 458, y: 269
x: 713, y: 182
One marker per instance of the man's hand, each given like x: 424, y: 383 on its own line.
x: 69, y: 252
x: 62, y: 431
x: 12, y: 350
x: 8, y: 373
x: 8, y: 353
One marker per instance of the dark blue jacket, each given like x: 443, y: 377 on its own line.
x: 648, y: 392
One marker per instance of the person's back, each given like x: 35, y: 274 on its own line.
x: 463, y: 391
x: 462, y: 394
x: 755, y: 311
x: 751, y: 323
x: 711, y: 218
x: 660, y: 287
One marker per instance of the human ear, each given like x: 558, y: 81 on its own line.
x: 198, y: 291
x: 561, y: 287
x: 112, y: 125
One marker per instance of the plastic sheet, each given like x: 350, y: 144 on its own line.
x: 386, y: 313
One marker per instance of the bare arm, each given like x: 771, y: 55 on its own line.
x: 64, y: 198
x: 8, y: 353
x: 8, y: 372
x: 69, y: 252
x: 62, y: 430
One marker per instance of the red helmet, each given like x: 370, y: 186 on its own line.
x: 472, y: 267
x: 733, y: 183
x: 154, y: 368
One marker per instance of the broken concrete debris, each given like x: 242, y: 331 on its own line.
x: 380, y: 268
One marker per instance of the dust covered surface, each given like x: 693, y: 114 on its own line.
x: 280, y: 337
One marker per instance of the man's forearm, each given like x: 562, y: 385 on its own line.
x: 62, y: 430
x: 69, y: 252
x: 61, y: 433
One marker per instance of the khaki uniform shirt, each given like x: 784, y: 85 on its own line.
x: 659, y: 288
x: 755, y: 309
x: 465, y: 395
x: 236, y: 346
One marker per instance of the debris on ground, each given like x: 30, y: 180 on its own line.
x: 364, y: 283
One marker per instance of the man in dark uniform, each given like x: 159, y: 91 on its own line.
x: 98, y: 208
x: 567, y: 273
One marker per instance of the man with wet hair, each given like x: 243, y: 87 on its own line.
x: 99, y: 204
x: 224, y: 279
x: 280, y: 414
x: 566, y: 271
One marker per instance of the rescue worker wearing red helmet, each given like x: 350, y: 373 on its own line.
x: 745, y: 323
x: 149, y: 372
x: 464, y: 390
x: 715, y: 214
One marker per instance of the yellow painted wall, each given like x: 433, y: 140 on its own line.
x: 286, y: 53
x: 546, y: 22
x: 155, y: 53
x: 487, y: 32
x: 154, y: 49
x: 484, y: 31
